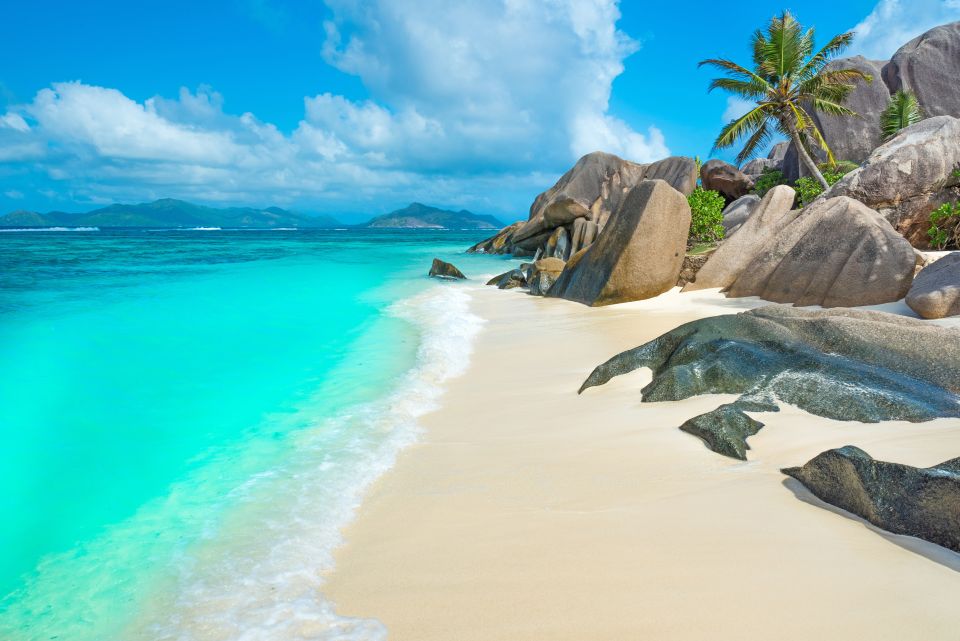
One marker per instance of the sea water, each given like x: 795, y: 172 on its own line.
x: 188, y: 418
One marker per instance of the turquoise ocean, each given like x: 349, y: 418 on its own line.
x: 188, y: 418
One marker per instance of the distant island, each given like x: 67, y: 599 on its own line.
x: 169, y: 212
x: 419, y: 216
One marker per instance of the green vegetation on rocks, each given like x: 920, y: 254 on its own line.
x: 902, y: 111
x: 706, y: 217
x: 769, y: 179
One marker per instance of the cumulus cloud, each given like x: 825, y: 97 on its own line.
x: 893, y: 23
x: 475, y: 104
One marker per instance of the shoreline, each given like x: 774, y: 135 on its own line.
x: 525, y: 511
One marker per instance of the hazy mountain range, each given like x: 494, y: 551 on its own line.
x: 169, y: 212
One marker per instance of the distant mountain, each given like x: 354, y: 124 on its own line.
x: 168, y: 212
x: 416, y: 215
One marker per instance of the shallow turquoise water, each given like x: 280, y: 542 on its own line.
x: 186, y: 418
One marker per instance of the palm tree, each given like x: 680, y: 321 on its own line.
x: 902, y: 111
x: 786, y: 80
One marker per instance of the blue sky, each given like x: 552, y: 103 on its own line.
x: 354, y: 109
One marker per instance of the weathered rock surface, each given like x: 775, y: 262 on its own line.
x: 737, y: 212
x: 724, y: 430
x: 935, y: 292
x: 582, y: 201
x: 441, y: 269
x: 509, y: 280
x: 754, y: 168
x: 842, y: 364
x: 544, y: 274
x: 497, y: 244
x: 854, y: 138
x: 909, y: 176
x: 725, y: 178
x: 734, y: 254
x: 637, y: 255
x: 929, y: 66
x: 836, y: 253
x: 778, y: 152
x: 920, y: 502
x: 692, y: 264
x: 558, y: 245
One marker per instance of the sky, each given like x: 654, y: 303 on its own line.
x: 358, y: 108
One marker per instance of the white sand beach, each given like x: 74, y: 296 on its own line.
x: 527, y: 512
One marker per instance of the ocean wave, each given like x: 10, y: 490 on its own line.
x: 202, y: 229
x: 242, y: 546
x: 33, y: 229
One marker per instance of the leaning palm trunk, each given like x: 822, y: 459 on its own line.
x: 786, y: 76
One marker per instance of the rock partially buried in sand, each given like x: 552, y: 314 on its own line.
x: 637, y: 255
x: 936, y: 289
x: 836, y: 253
x: 544, y: 274
x: 724, y: 430
x: 441, y: 269
x: 920, y: 502
x: 509, y: 280
x: 847, y: 365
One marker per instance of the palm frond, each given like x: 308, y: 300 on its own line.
x: 748, y: 90
x: 902, y: 111
x: 832, y: 108
x: 758, y: 140
x: 741, y: 127
x: 819, y: 60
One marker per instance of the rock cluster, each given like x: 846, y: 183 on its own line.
x: 637, y: 255
x: 841, y: 364
x: 927, y: 65
x: 920, y: 502
x: 581, y: 203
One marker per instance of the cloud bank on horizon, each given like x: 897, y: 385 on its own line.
x: 477, y: 105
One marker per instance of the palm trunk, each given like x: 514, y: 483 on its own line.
x: 805, y: 155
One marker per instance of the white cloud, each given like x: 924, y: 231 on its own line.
x: 13, y: 194
x: 736, y: 107
x: 894, y: 23
x: 477, y: 104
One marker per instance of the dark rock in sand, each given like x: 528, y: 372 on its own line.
x: 692, y: 264
x: 441, y: 269
x: 724, y: 430
x: 726, y: 178
x: 936, y: 289
x: 637, y: 255
x: 509, y: 280
x: 920, y: 502
x: 841, y: 364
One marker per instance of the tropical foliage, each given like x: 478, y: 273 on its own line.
x: 766, y: 181
x: 902, y: 111
x: 788, y: 77
x: 706, y: 216
x: 944, y: 232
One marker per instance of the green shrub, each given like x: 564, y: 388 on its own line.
x: 842, y: 167
x: 809, y: 188
x: 767, y: 180
x: 706, y: 211
x: 944, y: 229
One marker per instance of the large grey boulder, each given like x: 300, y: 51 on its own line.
x: 936, y: 289
x: 544, y: 274
x: 777, y: 153
x: 734, y: 254
x: 920, y: 502
x: 836, y: 253
x: 726, y: 178
x: 637, y: 255
x: 755, y: 168
x: 853, y: 138
x: 679, y: 172
x: 737, y: 212
x: 929, y: 66
x: 582, y: 234
x: 909, y: 176
x: 844, y: 364
x: 499, y: 243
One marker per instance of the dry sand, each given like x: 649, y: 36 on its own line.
x: 528, y: 512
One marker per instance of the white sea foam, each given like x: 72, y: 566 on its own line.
x: 38, y: 229
x: 203, y: 229
x: 259, y: 578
